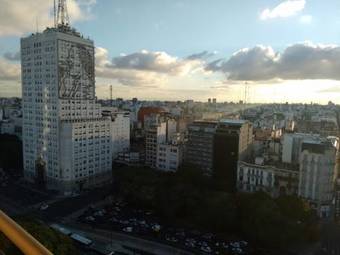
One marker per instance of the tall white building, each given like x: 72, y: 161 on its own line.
x: 154, y: 135
x: 120, y: 132
x: 291, y: 146
x: 66, y: 141
x: 169, y: 156
x: 317, y: 175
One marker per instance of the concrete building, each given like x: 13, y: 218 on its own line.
x: 120, y: 131
x: 274, y: 178
x: 199, y: 148
x: 154, y: 135
x: 318, y: 175
x: 291, y: 146
x: 12, y: 126
x: 232, y: 142
x: 66, y: 141
x: 169, y: 156
x: 216, y: 146
x: 131, y: 158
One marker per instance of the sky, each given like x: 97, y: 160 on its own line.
x: 282, y: 50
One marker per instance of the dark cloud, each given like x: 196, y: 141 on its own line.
x: 202, y: 55
x: 299, y: 61
x: 12, y: 56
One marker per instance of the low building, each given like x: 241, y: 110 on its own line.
x: 274, y: 178
x: 130, y: 158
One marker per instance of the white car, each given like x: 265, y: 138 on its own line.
x: 206, y: 249
x: 128, y: 229
x: 43, y: 207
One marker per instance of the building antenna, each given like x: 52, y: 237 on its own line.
x: 55, y: 13
x: 111, y: 102
x: 62, y: 15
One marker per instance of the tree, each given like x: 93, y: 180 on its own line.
x: 55, y: 242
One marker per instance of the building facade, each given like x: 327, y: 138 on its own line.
x: 120, y: 133
x: 274, y: 180
x: 169, y: 156
x: 317, y: 175
x: 60, y: 112
x: 232, y: 142
x: 154, y: 135
x: 199, y: 148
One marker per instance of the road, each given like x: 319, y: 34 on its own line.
x: 122, y: 240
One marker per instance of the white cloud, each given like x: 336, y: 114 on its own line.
x: 9, y: 71
x: 283, y: 10
x: 144, y: 68
x: 306, y: 19
x: 20, y: 16
x: 297, y: 62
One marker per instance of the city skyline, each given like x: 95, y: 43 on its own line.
x: 172, y: 51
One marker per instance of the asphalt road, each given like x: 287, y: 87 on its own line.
x: 126, y: 240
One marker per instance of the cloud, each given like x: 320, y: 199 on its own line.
x: 20, y: 16
x: 331, y: 90
x: 155, y: 61
x: 9, y: 71
x: 202, y: 55
x: 12, y: 56
x: 283, y: 10
x: 306, y: 19
x: 298, y: 61
x: 145, y: 68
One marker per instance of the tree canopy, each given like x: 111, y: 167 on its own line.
x: 189, y: 197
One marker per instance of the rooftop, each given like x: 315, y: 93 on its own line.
x: 232, y: 121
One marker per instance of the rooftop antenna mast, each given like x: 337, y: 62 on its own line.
x: 55, y: 13
x: 111, y: 102
x: 61, y: 16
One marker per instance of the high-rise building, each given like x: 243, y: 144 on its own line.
x: 216, y: 146
x: 318, y: 175
x: 199, y: 148
x: 120, y: 130
x: 232, y: 142
x: 154, y: 135
x: 291, y: 146
x: 66, y: 141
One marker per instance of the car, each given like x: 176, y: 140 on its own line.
x: 171, y: 239
x: 128, y: 229
x: 90, y: 218
x: 156, y: 227
x: 206, y: 249
x: 44, y: 206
